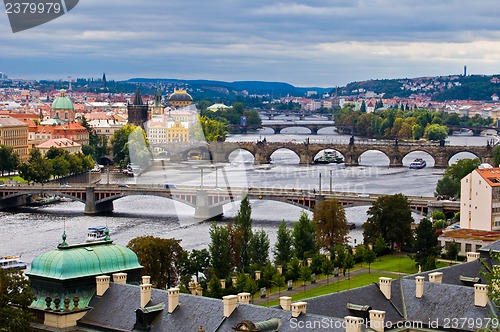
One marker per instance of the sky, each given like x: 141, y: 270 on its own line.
x: 322, y: 43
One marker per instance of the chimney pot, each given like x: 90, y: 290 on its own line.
x: 146, y: 279
x: 120, y: 278
x: 472, y: 256
x: 102, y: 284
x: 230, y: 303
x: 353, y: 324
x: 385, y: 286
x: 436, y: 277
x: 299, y: 308
x: 173, y: 299
x: 286, y: 303
x: 377, y: 318
x: 480, y: 295
x: 419, y: 291
x: 244, y: 298
x: 145, y: 294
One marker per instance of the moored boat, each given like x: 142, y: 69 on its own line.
x: 418, y: 163
x: 329, y: 157
x: 12, y: 262
x: 463, y: 132
x: 96, y: 233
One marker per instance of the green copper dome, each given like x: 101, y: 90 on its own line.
x: 89, y: 259
x: 63, y: 102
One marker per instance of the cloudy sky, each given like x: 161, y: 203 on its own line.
x: 305, y: 43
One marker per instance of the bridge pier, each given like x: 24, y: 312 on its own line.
x: 351, y: 159
x: 395, y: 161
x: 93, y: 208
x: 203, y: 211
x: 306, y: 158
x: 13, y: 202
x: 441, y: 161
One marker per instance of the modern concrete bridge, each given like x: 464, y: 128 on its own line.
x: 307, y: 150
x: 208, y: 202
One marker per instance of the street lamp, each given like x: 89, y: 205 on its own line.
x: 331, y: 181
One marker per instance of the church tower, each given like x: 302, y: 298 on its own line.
x: 137, y: 111
x: 157, y: 108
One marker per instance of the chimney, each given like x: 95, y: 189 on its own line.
x: 234, y: 279
x: 173, y: 299
x: 145, y: 294
x: 120, y: 278
x: 353, y: 324
x: 385, y: 286
x: 298, y: 308
x: 286, y: 303
x: 436, y: 277
x: 419, y: 291
x: 146, y: 279
x: 472, y: 256
x: 377, y: 318
x: 102, y: 284
x: 480, y: 295
x: 244, y: 298
x: 230, y: 303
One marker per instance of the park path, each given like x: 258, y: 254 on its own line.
x: 319, y: 283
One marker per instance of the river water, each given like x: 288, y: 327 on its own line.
x: 31, y: 231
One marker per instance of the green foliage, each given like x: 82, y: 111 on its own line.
x: 15, y: 297
x: 452, y: 250
x: 331, y: 223
x: 129, y: 144
x: 359, y: 254
x: 219, y: 250
x: 215, y: 288
x: 37, y: 169
x: 243, y: 221
x: 260, y: 245
x: 304, y: 240
x: 369, y: 257
x: 389, y: 217
x: 380, y: 246
x: 449, y: 184
x: 348, y: 262
x: 426, y: 246
x: 283, y: 249
x: 435, y: 132
x: 9, y: 159
x: 198, y: 261
x: 210, y: 130
x: 162, y: 258
x: 305, y: 274
x: 293, y: 269
x: 245, y: 284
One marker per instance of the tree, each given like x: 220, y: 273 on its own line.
x: 327, y: 269
x: 426, y: 245
x: 245, y: 284
x: 303, y: 236
x: 219, y: 250
x: 161, y: 258
x: 359, y: 254
x: 496, y: 156
x: 446, y: 186
x: 449, y: 184
x: 305, y: 275
x: 210, y: 130
x: 259, y: 245
x: 369, y: 257
x: 37, y: 169
x: 215, y: 288
x: 452, y: 250
x: 348, y: 263
x: 278, y: 280
x: 9, y: 159
x: 331, y: 223
x: 435, y: 132
x: 380, y: 246
x: 15, y: 297
x: 283, y: 247
x: 198, y: 261
x: 243, y: 221
x: 129, y: 144
x: 390, y: 217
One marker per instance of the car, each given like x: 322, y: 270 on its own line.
x: 363, y: 195
x: 65, y: 185
x: 170, y: 186
x: 123, y: 185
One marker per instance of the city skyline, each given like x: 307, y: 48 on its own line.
x: 305, y: 43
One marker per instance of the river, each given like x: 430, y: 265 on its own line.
x: 31, y: 231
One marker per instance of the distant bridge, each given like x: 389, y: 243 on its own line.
x: 313, y: 126
x: 262, y: 151
x: 208, y: 202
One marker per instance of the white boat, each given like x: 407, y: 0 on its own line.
x: 463, y: 132
x: 96, y: 233
x: 12, y: 262
x: 418, y: 163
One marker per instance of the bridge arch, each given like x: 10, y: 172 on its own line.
x: 464, y: 154
x: 283, y: 155
x: 240, y: 155
x: 375, y: 157
x: 326, y: 130
x: 303, y: 130
x: 418, y: 153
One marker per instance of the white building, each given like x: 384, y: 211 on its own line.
x: 480, y: 200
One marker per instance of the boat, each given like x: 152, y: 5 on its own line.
x: 96, y: 234
x: 329, y: 157
x: 463, y: 132
x: 12, y: 262
x: 418, y: 163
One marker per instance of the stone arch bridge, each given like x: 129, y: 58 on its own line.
x: 262, y: 151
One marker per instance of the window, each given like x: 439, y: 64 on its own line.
x: 468, y: 247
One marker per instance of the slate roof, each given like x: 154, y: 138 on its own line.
x: 115, y: 310
x: 451, y: 274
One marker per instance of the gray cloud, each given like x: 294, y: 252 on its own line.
x: 317, y: 42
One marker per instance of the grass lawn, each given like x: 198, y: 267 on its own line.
x: 7, y: 178
x: 396, y: 263
x: 354, y: 282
